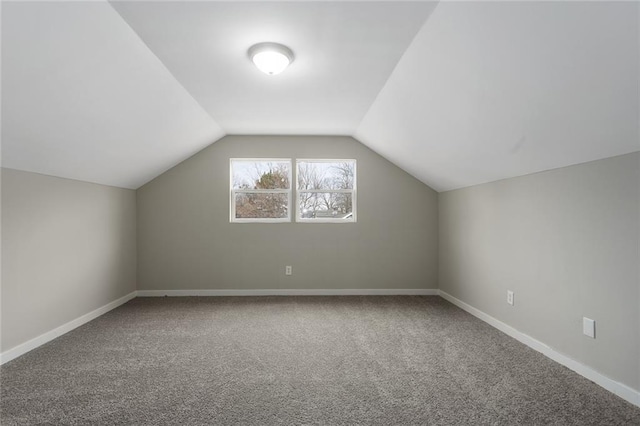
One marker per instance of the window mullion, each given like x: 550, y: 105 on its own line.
x: 261, y: 191
x: 327, y: 191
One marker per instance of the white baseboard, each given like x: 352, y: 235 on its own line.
x: 623, y: 391
x: 22, y: 349
x: 292, y: 292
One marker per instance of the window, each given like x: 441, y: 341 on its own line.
x: 326, y: 191
x: 260, y: 190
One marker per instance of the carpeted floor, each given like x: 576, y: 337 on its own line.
x: 297, y: 360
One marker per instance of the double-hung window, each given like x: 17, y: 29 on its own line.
x: 260, y: 190
x: 326, y: 191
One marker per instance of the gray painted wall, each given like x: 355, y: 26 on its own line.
x: 566, y: 242
x: 68, y: 247
x: 185, y: 240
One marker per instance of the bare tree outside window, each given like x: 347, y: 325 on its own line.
x: 260, y: 189
x: 326, y: 189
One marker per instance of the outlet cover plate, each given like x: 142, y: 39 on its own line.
x: 589, y: 327
x: 510, y: 297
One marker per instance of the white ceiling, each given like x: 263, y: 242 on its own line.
x: 492, y: 90
x: 84, y: 98
x: 117, y: 93
x: 344, y: 54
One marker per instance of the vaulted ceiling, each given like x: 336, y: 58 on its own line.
x: 455, y: 93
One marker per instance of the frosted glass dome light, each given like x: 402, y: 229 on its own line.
x: 271, y: 58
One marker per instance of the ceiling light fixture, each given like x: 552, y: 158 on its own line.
x: 271, y: 58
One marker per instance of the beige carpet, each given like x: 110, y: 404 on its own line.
x: 297, y: 360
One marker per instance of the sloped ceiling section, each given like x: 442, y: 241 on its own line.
x: 492, y: 90
x: 84, y: 98
x: 456, y: 94
x: 345, y: 52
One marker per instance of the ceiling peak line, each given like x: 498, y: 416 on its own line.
x: 373, y: 101
x: 111, y: 2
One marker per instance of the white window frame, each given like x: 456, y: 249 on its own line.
x: 233, y: 191
x: 353, y: 191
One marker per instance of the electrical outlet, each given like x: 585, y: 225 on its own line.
x: 510, y: 297
x: 288, y: 270
x: 589, y: 327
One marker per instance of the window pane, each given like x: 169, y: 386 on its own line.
x: 261, y: 205
x: 322, y: 205
x: 260, y: 174
x: 326, y: 175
